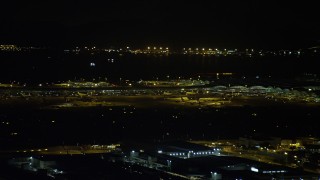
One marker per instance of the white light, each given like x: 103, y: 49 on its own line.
x: 254, y: 169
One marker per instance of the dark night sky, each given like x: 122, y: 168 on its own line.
x: 261, y: 24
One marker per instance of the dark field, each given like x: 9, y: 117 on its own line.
x: 36, y: 126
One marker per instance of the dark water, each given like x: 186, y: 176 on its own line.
x: 51, y: 66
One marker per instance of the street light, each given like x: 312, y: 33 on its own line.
x: 286, y: 157
x: 169, y: 164
x: 214, y: 175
